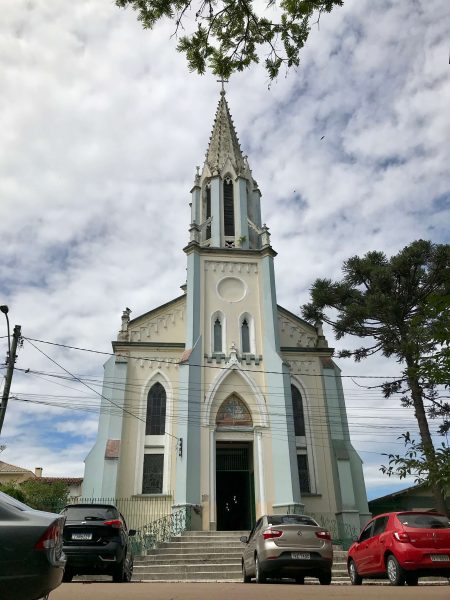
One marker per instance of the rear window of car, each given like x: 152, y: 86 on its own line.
x: 421, y: 521
x: 90, y: 513
x: 291, y: 520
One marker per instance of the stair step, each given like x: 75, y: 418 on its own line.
x: 216, y: 556
x: 189, y: 566
x: 175, y: 560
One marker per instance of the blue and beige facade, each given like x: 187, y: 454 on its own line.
x: 221, y: 397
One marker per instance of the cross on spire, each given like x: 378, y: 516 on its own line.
x: 222, y: 81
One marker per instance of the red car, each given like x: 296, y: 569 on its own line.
x: 401, y: 546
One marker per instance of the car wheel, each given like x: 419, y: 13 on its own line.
x: 128, y: 571
x: 411, y: 579
x: 67, y: 576
x: 325, y: 578
x: 259, y: 575
x: 355, y: 577
x: 300, y: 580
x: 118, y: 575
x: 245, y: 578
x: 394, y: 571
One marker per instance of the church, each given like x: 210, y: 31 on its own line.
x: 221, y: 399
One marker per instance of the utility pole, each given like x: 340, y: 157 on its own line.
x: 9, y: 373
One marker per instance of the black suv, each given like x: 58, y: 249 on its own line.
x: 96, y: 541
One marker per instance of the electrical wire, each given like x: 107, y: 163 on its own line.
x: 205, y: 366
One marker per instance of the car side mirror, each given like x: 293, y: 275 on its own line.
x: 243, y: 539
x: 132, y: 532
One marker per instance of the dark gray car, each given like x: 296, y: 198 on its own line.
x: 97, y: 541
x: 31, y: 555
x: 292, y: 546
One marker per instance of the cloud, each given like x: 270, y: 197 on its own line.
x: 102, y: 127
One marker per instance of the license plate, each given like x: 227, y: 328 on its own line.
x: 82, y: 536
x: 440, y: 557
x: 301, y: 555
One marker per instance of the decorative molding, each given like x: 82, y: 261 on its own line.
x: 259, y: 410
x: 303, y: 367
x: 226, y: 266
x: 303, y: 338
x: 157, y: 362
x: 220, y: 358
x: 153, y: 327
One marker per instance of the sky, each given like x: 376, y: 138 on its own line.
x: 102, y: 128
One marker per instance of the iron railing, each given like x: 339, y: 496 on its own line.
x: 162, y: 530
x: 342, y: 534
x: 137, y: 510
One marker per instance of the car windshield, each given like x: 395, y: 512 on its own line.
x: 424, y: 521
x: 90, y: 513
x: 291, y: 520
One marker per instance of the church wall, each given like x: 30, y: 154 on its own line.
x: 294, y: 334
x: 94, y: 462
x: 231, y: 287
x: 164, y: 325
x: 305, y: 370
x: 156, y: 364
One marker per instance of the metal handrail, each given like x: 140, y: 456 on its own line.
x: 161, y: 530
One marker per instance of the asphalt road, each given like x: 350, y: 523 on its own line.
x: 240, y: 591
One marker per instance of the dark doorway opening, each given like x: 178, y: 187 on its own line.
x: 235, y: 497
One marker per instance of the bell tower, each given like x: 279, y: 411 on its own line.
x: 226, y: 209
x: 232, y: 328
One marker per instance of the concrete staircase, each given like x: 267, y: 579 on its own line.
x: 193, y: 556
x: 216, y: 556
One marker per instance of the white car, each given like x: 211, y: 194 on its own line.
x: 291, y: 546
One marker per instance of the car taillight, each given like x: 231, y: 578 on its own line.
x: 50, y: 538
x: 272, y: 533
x: 117, y: 523
x: 401, y: 536
x: 323, y: 535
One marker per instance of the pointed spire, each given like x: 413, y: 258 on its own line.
x: 224, y: 142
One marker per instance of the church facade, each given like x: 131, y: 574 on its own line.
x: 221, y: 397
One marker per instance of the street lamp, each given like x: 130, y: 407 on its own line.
x: 5, y: 310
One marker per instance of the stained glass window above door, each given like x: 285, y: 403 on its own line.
x: 234, y: 412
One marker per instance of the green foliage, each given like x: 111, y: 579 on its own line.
x: 401, y: 306
x: 400, y: 303
x: 414, y: 462
x: 45, y: 496
x: 230, y: 35
x: 13, y: 490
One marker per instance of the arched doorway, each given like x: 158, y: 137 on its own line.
x: 235, y: 495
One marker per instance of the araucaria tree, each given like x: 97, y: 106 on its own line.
x: 401, y: 307
x: 229, y: 35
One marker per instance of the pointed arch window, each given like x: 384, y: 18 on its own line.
x: 297, y: 409
x: 303, y: 472
x: 245, y: 336
x: 228, y: 207
x: 234, y: 412
x: 156, y: 410
x: 217, y: 330
x: 208, y: 209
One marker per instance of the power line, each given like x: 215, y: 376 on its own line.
x: 89, y: 387
x: 205, y: 366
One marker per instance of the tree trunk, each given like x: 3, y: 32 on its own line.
x: 425, y: 436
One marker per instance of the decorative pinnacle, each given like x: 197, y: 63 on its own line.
x: 224, y: 143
